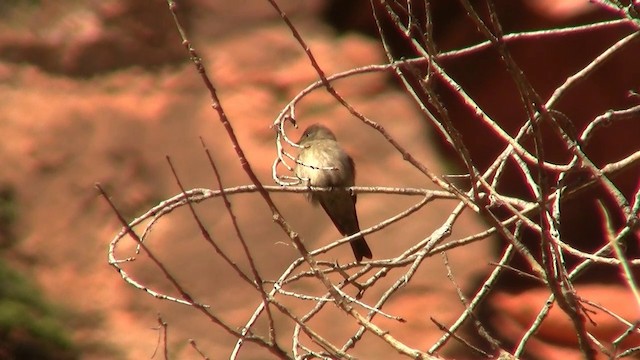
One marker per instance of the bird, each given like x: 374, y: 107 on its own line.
x: 323, y: 163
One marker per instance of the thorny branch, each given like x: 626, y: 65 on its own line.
x: 540, y: 214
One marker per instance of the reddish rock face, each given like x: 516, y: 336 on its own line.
x: 82, y: 42
x: 88, y: 98
x: 61, y: 134
x: 547, y: 62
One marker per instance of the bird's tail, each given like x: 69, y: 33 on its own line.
x: 360, y: 248
x: 341, y: 208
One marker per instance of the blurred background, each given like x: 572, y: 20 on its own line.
x: 103, y: 91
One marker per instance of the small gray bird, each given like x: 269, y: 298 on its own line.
x: 327, y: 165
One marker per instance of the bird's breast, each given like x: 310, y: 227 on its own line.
x: 325, y: 165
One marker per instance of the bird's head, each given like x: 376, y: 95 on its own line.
x: 316, y: 132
